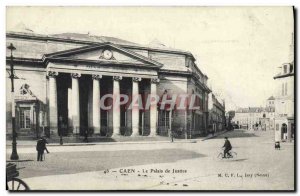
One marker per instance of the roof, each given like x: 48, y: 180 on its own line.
x: 255, y: 109
x: 93, y: 38
x: 271, y: 98
x: 76, y: 39
x: 249, y: 110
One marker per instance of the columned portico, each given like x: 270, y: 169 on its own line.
x: 53, y: 101
x: 79, y: 84
x: 116, y: 105
x: 96, y: 103
x: 75, y: 102
x: 153, y: 107
x: 105, y: 89
x: 135, y: 106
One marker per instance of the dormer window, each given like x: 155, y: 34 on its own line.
x: 284, y: 69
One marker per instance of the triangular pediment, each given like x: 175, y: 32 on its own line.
x: 103, y: 53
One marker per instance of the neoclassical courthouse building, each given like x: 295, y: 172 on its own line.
x: 61, y: 78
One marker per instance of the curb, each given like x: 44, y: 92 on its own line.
x: 210, y: 137
x: 107, y: 143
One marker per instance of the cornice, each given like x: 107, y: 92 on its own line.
x: 127, y: 46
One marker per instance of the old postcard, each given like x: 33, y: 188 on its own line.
x: 150, y: 98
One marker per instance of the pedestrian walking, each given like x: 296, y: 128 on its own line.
x: 86, y: 134
x: 40, y: 148
x: 277, y: 145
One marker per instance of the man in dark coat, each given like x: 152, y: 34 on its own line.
x: 40, y: 148
x: 227, y: 147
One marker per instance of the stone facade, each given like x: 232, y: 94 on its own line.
x: 62, y: 77
x: 217, y: 119
x: 284, y: 103
x: 256, y: 118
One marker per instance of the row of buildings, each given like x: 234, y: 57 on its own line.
x: 217, y: 118
x: 62, y: 78
x: 278, y: 114
x: 256, y: 118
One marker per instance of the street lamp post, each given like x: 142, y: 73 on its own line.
x: 14, y: 154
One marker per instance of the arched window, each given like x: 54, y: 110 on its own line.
x: 283, y: 128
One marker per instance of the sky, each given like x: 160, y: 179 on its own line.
x: 238, y: 48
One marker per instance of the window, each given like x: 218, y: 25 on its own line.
x: 291, y: 68
x: 25, y: 118
x: 277, y: 127
x: 164, y: 120
x: 284, y: 69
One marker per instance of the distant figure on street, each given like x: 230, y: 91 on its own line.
x: 41, y: 147
x: 172, y: 136
x: 277, y: 145
x: 227, y: 147
x: 210, y: 130
x: 86, y: 136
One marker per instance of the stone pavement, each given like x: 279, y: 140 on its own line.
x: 257, y: 166
x: 163, y: 140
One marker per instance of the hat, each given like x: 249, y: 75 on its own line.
x: 226, y: 137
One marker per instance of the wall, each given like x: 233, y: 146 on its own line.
x: 34, y: 77
x: 284, y: 104
x: 170, y: 61
x: 175, y: 85
x: 26, y: 48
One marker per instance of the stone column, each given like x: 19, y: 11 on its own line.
x: 70, y: 123
x: 75, y: 102
x: 135, y: 107
x: 53, y: 102
x: 96, y: 103
x: 116, y: 105
x: 153, y: 108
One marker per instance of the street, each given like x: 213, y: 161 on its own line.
x: 163, y: 165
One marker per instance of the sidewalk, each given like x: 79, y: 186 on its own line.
x: 33, y: 142
x: 158, y: 140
